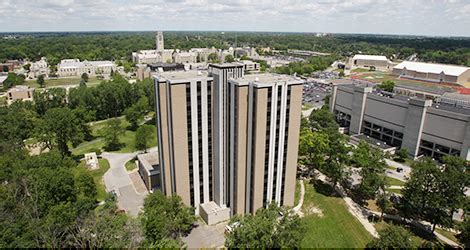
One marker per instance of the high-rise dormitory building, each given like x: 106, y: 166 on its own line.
x: 227, y: 141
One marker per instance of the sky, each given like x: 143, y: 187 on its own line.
x: 406, y: 17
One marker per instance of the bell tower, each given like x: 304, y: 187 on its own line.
x: 159, y: 41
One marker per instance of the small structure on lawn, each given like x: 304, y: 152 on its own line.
x: 91, y: 161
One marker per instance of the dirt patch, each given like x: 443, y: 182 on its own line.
x: 312, y: 210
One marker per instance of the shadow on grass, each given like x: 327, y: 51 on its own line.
x: 324, y: 188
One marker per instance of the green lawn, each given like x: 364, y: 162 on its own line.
x: 335, y: 227
x: 127, y: 138
x: 63, y: 81
x: 447, y: 234
x: 394, y: 182
x: 130, y: 165
x: 97, y: 176
x: 307, y: 106
x: 394, y: 190
x: 416, y: 241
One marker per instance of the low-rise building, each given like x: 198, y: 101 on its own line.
x: 203, y: 53
x: 19, y: 93
x: 73, y: 67
x: 432, y: 72
x: 6, y: 67
x: 422, y: 126
x: 2, y: 79
x: 39, y: 68
x: 184, y: 57
x: 372, y: 62
x: 149, y: 170
x: 250, y: 66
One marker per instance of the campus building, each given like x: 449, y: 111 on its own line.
x: 228, y: 142
x: 432, y: 72
x: 424, y: 127
x: 19, y: 93
x: 73, y: 67
x: 372, y: 62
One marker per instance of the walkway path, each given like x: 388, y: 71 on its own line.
x: 297, y: 208
x: 403, y: 175
x: 355, y: 209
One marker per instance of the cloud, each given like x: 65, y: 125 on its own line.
x: 431, y: 17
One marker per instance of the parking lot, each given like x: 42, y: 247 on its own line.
x: 315, y: 93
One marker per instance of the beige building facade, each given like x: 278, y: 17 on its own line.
x: 431, y: 72
x: 228, y: 142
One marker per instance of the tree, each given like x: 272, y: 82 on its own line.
x: 27, y: 67
x: 165, y: 218
x: 112, y: 132
x: 372, y: 167
x: 213, y: 58
x: 383, y: 202
x: 392, y: 237
x: 401, y: 155
x: 387, y: 86
x: 229, y: 59
x: 5, y: 68
x: 142, y: 136
x: 272, y: 227
x: 423, y: 196
x: 341, y: 73
x: 313, y: 147
x: 40, y: 81
x: 84, y: 77
x: 464, y: 236
x: 322, y: 119
x: 85, y: 184
x: 133, y: 115
x: 59, y: 127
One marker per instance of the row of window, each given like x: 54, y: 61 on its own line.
x: 389, y: 136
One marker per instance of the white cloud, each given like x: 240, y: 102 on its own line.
x: 433, y: 17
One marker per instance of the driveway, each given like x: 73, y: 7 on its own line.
x: 117, y: 179
x: 204, y: 236
x: 403, y: 175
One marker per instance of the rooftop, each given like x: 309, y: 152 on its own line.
x: 370, y: 57
x: 149, y: 160
x: 178, y: 76
x: 18, y: 88
x: 267, y: 79
x: 434, y: 68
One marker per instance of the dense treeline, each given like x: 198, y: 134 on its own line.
x: 57, y: 119
x: 120, y: 45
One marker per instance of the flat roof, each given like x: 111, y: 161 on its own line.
x: 183, y: 76
x: 225, y: 65
x: 452, y: 70
x: 370, y: 57
x: 149, y: 160
x: 267, y: 79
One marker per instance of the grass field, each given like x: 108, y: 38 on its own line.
x: 394, y: 190
x: 127, y: 138
x: 62, y: 82
x: 334, y: 227
x: 130, y: 165
x: 97, y: 176
x: 394, y: 182
x: 447, y: 234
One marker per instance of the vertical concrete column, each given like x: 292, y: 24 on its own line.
x: 465, y: 150
x: 333, y: 98
x: 414, y: 125
x: 358, y: 107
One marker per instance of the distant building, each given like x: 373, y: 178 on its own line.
x: 39, y: 68
x: 146, y: 70
x: 203, y: 53
x: 2, y: 79
x: 184, y: 57
x: 421, y: 126
x: 19, y: 93
x: 250, y: 66
x: 380, y: 63
x: 6, y: 67
x: 149, y: 170
x: 73, y: 67
x: 433, y: 72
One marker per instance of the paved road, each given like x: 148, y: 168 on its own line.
x: 117, y: 179
x: 403, y: 175
x: 204, y: 236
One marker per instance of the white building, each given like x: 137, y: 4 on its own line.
x: 433, y: 72
x: 184, y: 57
x: 73, y: 67
x: 373, y: 62
x: 39, y: 68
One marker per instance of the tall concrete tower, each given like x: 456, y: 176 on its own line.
x: 159, y: 41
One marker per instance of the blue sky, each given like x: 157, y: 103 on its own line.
x: 411, y: 17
